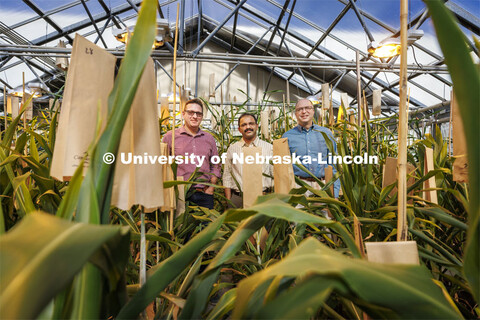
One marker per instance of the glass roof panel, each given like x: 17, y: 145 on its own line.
x: 68, y: 17
x: 321, y: 13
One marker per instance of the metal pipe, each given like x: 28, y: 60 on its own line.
x: 277, y: 25
x: 36, y: 75
x: 327, y: 32
x: 197, y: 50
x: 181, y: 26
x: 93, y: 23
x: 359, y: 90
x: 199, y: 31
x: 362, y: 22
x: 103, y: 30
x: 238, y: 63
x: 248, y: 84
x: 285, y: 62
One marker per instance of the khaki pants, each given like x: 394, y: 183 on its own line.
x: 237, y: 201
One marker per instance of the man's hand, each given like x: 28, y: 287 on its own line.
x: 209, y: 190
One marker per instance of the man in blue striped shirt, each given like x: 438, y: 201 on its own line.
x: 307, y: 141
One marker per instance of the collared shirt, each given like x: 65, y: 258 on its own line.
x: 310, y: 142
x: 233, y: 171
x: 201, y: 144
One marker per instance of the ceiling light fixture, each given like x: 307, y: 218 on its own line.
x: 390, y: 47
x: 33, y: 88
x: 163, y: 34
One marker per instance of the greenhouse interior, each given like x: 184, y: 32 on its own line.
x: 239, y: 159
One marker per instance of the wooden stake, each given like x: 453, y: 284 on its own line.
x: 402, y: 228
x: 430, y: 195
x: 366, y: 117
x: 5, y: 106
x: 285, y: 115
x: 357, y: 231
x: 23, y: 102
x: 359, y: 91
x: 174, y: 103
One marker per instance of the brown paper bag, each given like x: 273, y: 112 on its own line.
x: 164, y: 110
x: 211, y: 85
x: 325, y: 96
x: 62, y: 63
x: 181, y: 198
x: 89, y: 82
x: 28, y: 101
x: 430, y: 183
x: 329, y: 177
x: 264, y: 125
x: 460, y: 166
x: 400, y: 252
x: 52, y: 107
x: 140, y: 183
x: 13, y: 106
x: 390, y: 175
x: 252, y: 176
x: 284, y: 180
x: 377, y: 102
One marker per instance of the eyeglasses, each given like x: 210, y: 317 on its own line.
x: 191, y: 113
x: 309, y: 108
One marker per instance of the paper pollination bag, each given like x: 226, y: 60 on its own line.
x: 88, y: 85
x: 252, y: 177
x: 264, y: 127
x: 27, y: 100
x: 460, y: 165
x: 140, y: 183
x: 283, y: 177
x: 13, y: 106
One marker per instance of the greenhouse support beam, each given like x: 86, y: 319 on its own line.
x: 467, y: 19
x: 134, y: 7
x: 199, y: 32
x: 286, y: 62
x: 164, y: 70
x: 232, y: 39
x: 238, y: 63
x: 286, y: 27
x: 277, y: 25
x: 103, y: 30
x: 392, y: 30
x: 362, y: 22
x: 46, y: 14
x: 181, y: 26
x: 318, y: 28
x: 329, y: 29
x: 82, y: 24
x: 94, y: 24
x: 281, y: 43
x: 197, y: 50
x: 35, y: 73
x: 39, y: 12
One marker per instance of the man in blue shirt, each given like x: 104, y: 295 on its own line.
x: 306, y: 140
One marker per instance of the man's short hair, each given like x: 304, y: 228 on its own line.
x: 195, y: 101
x: 245, y: 115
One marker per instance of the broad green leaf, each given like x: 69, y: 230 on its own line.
x: 224, y: 305
x: 407, y: 290
x: 297, y: 303
x: 49, y: 252
x: 120, y: 101
x: 162, y: 274
x: 466, y: 81
x: 276, y: 208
